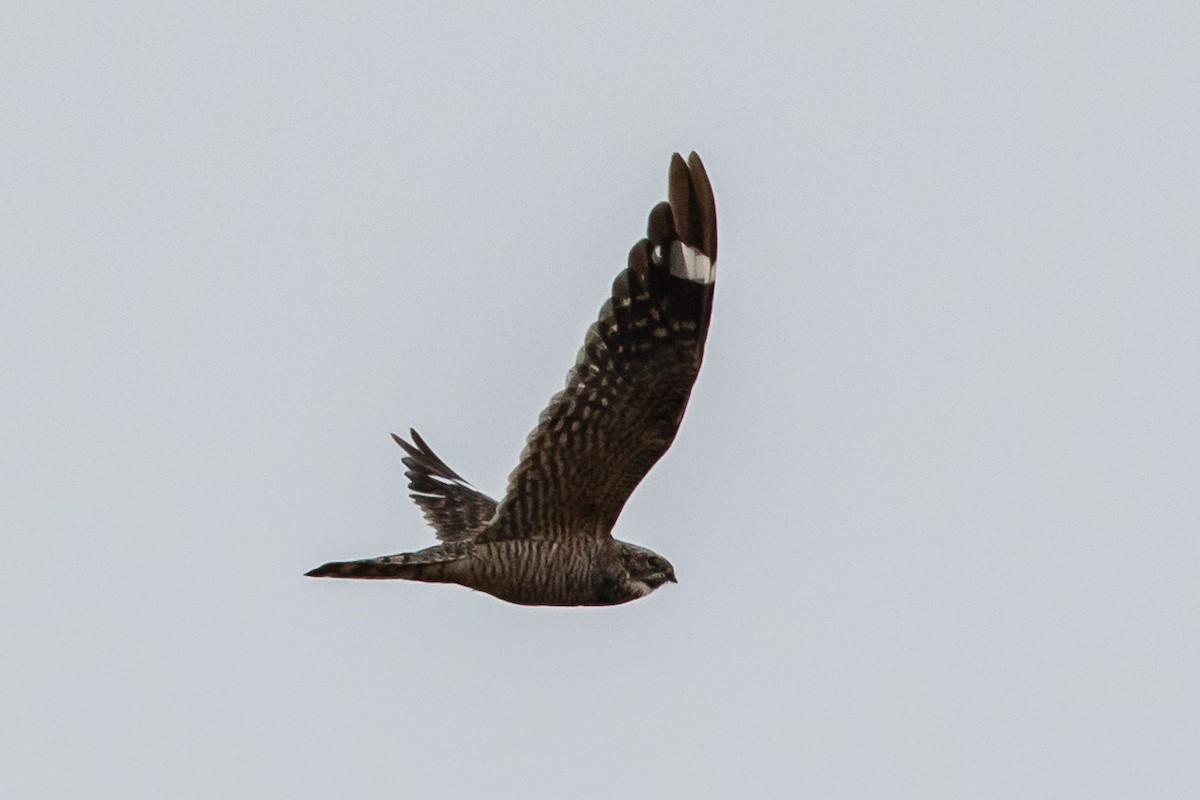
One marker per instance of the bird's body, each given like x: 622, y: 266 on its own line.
x: 549, y: 542
x: 587, y: 571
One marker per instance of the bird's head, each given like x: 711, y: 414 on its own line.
x: 647, y: 569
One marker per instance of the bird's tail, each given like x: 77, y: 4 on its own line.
x: 377, y: 568
x: 424, y: 565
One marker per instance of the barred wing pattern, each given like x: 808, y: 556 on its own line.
x: 456, y: 509
x: 627, y: 392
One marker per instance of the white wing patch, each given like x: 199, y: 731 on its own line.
x: 689, y: 263
x: 451, y: 482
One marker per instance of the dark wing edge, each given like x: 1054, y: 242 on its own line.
x: 626, y: 395
x: 456, y: 509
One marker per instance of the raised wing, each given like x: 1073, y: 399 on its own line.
x: 627, y: 392
x: 456, y: 509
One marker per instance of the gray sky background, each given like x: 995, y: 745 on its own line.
x: 934, y: 506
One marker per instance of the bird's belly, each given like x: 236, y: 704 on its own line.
x: 537, y: 572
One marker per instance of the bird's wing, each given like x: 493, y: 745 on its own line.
x: 627, y: 392
x: 456, y: 509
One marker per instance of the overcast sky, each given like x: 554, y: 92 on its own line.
x: 934, y: 508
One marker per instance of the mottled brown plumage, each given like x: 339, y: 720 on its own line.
x: 549, y: 541
x: 456, y: 510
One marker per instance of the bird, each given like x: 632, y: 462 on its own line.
x: 549, y: 540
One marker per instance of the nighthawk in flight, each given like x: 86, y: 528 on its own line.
x: 549, y: 541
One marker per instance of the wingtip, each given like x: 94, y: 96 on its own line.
x: 406, y: 447
x: 692, y: 203
x: 417, y: 440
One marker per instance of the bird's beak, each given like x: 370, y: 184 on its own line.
x: 672, y: 578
